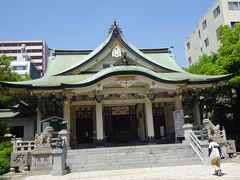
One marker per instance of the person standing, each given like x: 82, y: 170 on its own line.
x: 215, y: 153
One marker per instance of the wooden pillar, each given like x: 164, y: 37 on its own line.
x: 197, y: 118
x: 178, y: 103
x: 67, y: 112
x: 67, y: 118
x: 39, y: 118
x: 149, y: 121
x: 99, y: 124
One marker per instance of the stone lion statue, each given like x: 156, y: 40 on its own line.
x: 213, y: 131
x: 45, y: 137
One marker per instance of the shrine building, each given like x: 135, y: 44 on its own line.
x: 115, y: 94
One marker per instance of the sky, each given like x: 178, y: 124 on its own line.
x: 84, y: 24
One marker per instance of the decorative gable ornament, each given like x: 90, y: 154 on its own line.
x: 126, y: 84
x: 116, y: 52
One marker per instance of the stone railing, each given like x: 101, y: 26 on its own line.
x: 47, y: 156
x: 199, y: 146
x: 23, y: 146
x: 198, y: 134
x: 196, y: 145
x: 27, y: 146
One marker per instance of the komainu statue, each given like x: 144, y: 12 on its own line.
x: 213, y: 131
x: 45, y: 137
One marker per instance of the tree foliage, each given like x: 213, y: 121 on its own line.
x: 229, y: 53
x: 206, y: 65
x: 6, y: 74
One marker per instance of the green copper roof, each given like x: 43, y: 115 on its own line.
x: 64, y: 81
x: 60, y: 69
x: 7, y: 113
x: 89, y: 56
x: 166, y: 64
x: 166, y: 59
x: 57, y: 64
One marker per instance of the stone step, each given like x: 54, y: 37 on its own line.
x: 156, y: 163
x: 130, y: 157
x: 127, y: 158
x: 133, y: 148
x: 147, y: 151
x: 127, y: 165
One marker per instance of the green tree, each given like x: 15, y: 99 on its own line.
x: 228, y: 56
x: 206, y: 65
x: 7, y: 75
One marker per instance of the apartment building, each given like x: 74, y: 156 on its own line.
x: 204, y: 40
x: 37, y: 50
x: 23, y: 65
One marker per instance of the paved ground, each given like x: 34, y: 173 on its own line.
x: 230, y: 171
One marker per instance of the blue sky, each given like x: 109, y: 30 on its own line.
x: 78, y: 24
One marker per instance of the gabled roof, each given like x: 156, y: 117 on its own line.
x: 115, y: 33
x: 69, y: 81
x: 59, y: 74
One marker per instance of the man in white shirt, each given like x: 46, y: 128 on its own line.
x: 215, y: 153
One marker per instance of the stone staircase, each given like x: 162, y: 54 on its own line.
x: 110, y: 158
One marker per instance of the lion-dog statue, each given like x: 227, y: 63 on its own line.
x: 213, y: 131
x: 45, y: 137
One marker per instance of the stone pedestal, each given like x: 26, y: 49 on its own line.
x: 59, y: 162
x: 187, y: 128
x: 20, y: 160
x: 41, y: 161
x: 65, y: 135
x: 206, y: 159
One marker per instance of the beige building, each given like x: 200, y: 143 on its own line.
x: 37, y: 50
x: 204, y: 39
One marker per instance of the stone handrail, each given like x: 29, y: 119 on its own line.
x: 27, y: 146
x: 20, y: 146
x: 196, y: 145
x: 222, y: 134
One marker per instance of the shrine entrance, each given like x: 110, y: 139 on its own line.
x: 159, y: 122
x: 85, y: 117
x: 120, y: 125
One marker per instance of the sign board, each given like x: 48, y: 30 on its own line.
x: 53, y: 121
x: 178, y: 123
x: 123, y: 110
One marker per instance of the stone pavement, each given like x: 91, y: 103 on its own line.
x: 230, y: 171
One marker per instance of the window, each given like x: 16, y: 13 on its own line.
x: 216, y: 12
x: 234, y: 5
x: 233, y: 24
x: 199, y: 34
x: 18, y: 131
x: 190, y: 60
x: 204, y: 24
x: 19, y: 67
x: 206, y: 42
x: 188, y: 45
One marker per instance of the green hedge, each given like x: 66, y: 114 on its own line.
x: 5, y: 155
